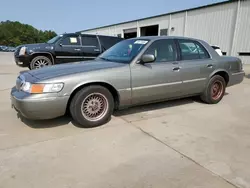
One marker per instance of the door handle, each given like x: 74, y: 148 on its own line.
x: 77, y: 49
x: 96, y: 50
x: 176, y: 69
x: 210, y: 66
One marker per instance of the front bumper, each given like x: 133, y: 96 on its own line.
x: 37, y: 106
x: 236, y: 78
x: 22, y: 61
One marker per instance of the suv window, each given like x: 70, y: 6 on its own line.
x: 90, y: 41
x: 164, y: 50
x: 108, y: 42
x: 70, y: 40
x: 192, y: 50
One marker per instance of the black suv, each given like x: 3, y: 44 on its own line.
x: 70, y: 47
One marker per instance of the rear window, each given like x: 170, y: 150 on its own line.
x: 107, y: 42
x: 90, y: 41
x: 191, y: 50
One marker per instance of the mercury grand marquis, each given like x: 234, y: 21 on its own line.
x: 132, y: 72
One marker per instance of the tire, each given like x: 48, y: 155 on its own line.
x: 215, y: 90
x: 39, y: 62
x: 103, y: 106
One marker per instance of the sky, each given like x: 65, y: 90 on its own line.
x: 76, y: 15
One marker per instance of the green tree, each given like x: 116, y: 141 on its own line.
x: 16, y: 33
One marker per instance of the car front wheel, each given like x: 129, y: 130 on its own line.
x: 39, y: 62
x: 92, y: 106
x: 215, y: 90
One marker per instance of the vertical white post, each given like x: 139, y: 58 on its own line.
x: 169, y: 25
x: 109, y: 31
x: 235, y: 28
x: 185, y: 25
x: 138, y: 29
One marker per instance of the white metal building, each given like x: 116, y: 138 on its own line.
x: 226, y: 24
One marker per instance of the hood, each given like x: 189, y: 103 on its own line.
x: 72, y: 68
x: 36, y: 46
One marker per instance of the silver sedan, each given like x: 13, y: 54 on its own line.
x: 133, y: 72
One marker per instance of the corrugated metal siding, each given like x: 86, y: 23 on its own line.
x: 177, y: 21
x: 216, y: 25
x: 242, y: 38
x: 213, y: 24
x: 163, y: 21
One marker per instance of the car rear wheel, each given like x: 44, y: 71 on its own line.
x: 39, y: 62
x: 215, y: 90
x: 92, y: 106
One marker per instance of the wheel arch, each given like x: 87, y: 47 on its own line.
x: 46, y: 54
x: 108, y: 86
x: 223, y: 73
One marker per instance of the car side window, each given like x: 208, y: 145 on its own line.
x: 71, y: 40
x: 90, y: 41
x: 164, y: 50
x: 191, y: 50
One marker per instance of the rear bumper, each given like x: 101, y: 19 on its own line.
x: 32, y: 107
x: 22, y: 61
x: 236, y: 78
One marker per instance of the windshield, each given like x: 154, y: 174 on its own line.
x: 125, y: 51
x: 53, y: 40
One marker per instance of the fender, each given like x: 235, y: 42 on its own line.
x: 92, y: 82
x: 53, y: 61
x: 218, y: 70
x: 109, y: 86
x: 215, y: 72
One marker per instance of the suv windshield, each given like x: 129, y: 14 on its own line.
x: 53, y: 40
x: 125, y: 51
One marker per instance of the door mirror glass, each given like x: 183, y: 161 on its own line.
x: 148, y: 58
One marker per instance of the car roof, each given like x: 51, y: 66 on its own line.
x: 164, y: 37
x: 79, y: 33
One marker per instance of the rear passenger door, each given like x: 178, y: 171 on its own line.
x: 196, y: 66
x: 90, y: 47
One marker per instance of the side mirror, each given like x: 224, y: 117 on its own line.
x: 60, y: 44
x: 147, y: 58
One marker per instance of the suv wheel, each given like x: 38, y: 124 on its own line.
x: 39, y: 62
x: 92, y: 106
x: 215, y: 90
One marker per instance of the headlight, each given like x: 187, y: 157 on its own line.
x: 22, y: 51
x: 42, y: 88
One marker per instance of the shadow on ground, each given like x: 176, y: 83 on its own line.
x: 64, y: 120
x: 157, y: 106
x: 40, y: 124
x: 248, y: 76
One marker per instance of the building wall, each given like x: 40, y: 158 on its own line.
x: 215, y: 25
x: 242, y: 32
x: 226, y: 25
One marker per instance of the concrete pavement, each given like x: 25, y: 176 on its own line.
x: 182, y: 143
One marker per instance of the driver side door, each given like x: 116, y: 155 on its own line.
x: 160, y: 79
x: 68, y: 49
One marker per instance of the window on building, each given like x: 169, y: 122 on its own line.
x: 164, y: 50
x: 71, y: 40
x: 192, y: 50
x: 163, y: 32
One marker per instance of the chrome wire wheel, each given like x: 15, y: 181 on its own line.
x: 94, y: 107
x: 41, y: 63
